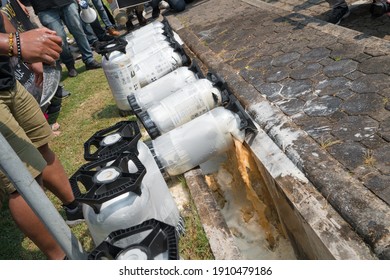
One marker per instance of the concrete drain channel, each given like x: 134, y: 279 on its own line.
x: 244, y: 217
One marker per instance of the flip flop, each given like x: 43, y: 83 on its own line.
x: 55, y: 126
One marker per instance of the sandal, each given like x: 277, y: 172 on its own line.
x: 55, y: 126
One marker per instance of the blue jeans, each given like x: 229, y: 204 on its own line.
x: 102, y: 13
x: 53, y: 18
x: 177, y: 5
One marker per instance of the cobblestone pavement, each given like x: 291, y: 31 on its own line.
x: 328, y: 84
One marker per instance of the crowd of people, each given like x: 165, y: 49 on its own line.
x: 37, y: 36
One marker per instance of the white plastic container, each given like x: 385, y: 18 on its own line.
x: 161, y: 63
x: 129, y: 209
x: 152, y: 93
x: 121, y: 77
x: 146, y: 52
x: 139, y: 44
x: 195, y: 142
x: 147, y: 30
x: 180, y: 107
x: 160, y: 195
x: 114, y: 199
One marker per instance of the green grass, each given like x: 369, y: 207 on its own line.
x: 89, y: 108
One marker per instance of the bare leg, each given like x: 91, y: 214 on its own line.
x: 33, y: 228
x: 54, y: 177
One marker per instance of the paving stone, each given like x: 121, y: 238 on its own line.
x: 375, y: 65
x: 307, y: 71
x: 355, y: 128
x: 295, y: 89
x: 332, y: 86
x: 285, y: 59
x: 350, y: 154
x: 379, y: 185
x: 271, y: 90
x: 373, y: 142
x: 322, y: 106
x: 291, y: 106
x: 277, y: 74
x: 315, y: 55
x: 340, y: 68
x: 363, y: 104
x: 384, y: 129
x: 349, y: 50
x: 370, y: 83
x: 382, y: 156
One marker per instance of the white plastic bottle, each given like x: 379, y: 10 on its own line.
x: 121, y: 78
x: 180, y: 107
x: 114, y: 199
x: 152, y: 93
x: 195, y: 142
x: 122, y: 210
x: 161, y: 63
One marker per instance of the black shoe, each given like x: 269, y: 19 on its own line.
x: 156, y: 12
x: 93, y: 65
x: 74, y: 216
x: 129, y: 25
x: 71, y: 71
x: 338, y: 14
x: 97, y: 44
x: 142, y: 21
x: 106, y: 38
x: 61, y: 93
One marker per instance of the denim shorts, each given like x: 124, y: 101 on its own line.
x: 24, y: 126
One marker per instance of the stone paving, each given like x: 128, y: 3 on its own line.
x: 330, y: 83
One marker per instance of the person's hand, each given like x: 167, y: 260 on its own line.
x: 40, y: 45
x: 37, y: 68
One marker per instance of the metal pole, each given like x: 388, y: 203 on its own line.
x: 33, y: 194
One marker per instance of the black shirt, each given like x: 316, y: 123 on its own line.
x: 40, y: 5
x: 7, y: 79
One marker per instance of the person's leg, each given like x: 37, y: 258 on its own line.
x: 155, y: 8
x: 54, y: 176
x: 33, y: 228
x: 29, y: 116
x: 138, y: 12
x: 52, y: 20
x: 102, y: 13
x: 71, y: 17
x: 23, y: 215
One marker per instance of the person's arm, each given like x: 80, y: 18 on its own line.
x: 37, y: 45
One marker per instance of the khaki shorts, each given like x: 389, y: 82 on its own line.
x: 24, y: 126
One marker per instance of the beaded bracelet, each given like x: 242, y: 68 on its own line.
x: 11, y: 44
x: 18, y: 45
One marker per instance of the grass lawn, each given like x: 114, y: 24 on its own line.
x: 89, y: 108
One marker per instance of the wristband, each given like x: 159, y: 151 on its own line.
x: 18, y: 45
x: 11, y: 44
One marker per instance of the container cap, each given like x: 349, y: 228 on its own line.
x: 106, y: 179
x: 149, y: 125
x: 246, y: 122
x: 159, y: 242
x: 112, y: 141
x: 194, y: 67
x: 134, y: 104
